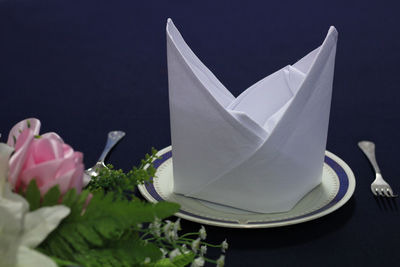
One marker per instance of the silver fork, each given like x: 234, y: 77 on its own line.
x: 379, y: 186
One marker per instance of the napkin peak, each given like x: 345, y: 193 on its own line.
x: 261, y: 151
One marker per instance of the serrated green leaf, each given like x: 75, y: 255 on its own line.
x: 61, y: 262
x: 183, y: 259
x: 103, y: 234
x: 52, y: 196
x: 70, y: 197
x: 164, y: 263
x: 32, y: 195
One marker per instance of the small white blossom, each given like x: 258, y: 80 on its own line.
x: 198, y: 262
x: 174, y: 253
x: 155, y: 227
x: 224, y: 246
x: 203, y: 250
x: 221, y: 261
x: 164, y: 252
x: 166, y: 227
x: 172, y: 235
x: 195, y: 245
x: 147, y: 260
x: 157, y: 222
x: 177, y: 226
x: 203, y: 233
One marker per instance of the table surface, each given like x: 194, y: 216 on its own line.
x: 87, y: 67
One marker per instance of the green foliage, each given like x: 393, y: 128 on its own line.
x: 179, y: 261
x: 52, y: 196
x: 61, y: 262
x: 102, y: 234
x: 183, y: 259
x: 32, y: 195
x: 119, y: 182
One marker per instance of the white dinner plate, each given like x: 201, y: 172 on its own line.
x: 338, y: 184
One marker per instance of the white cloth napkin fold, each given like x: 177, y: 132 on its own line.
x: 262, y: 151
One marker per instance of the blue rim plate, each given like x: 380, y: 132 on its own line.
x: 337, y: 187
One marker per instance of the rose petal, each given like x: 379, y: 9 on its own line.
x: 53, y: 136
x: 63, y: 181
x: 77, y: 178
x: 17, y: 160
x: 43, y: 173
x: 20, y: 127
x: 45, y: 149
x: 66, y: 165
x: 68, y: 151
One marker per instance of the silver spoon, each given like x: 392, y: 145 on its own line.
x: 112, y: 140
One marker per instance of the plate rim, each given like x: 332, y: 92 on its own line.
x: 346, y: 197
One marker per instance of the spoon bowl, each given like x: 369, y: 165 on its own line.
x: 113, y: 138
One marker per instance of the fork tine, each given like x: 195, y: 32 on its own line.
x: 374, y: 191
x: 387, y: 193
x: 391, y: 192
x: 381, y: 192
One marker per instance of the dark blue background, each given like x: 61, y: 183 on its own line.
x: 87, y: 67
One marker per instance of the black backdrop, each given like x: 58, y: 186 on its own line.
x: 87, y: 67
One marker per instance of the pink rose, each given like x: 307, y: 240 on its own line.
x: 45, y: 158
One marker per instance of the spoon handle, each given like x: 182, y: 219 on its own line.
x: 112, y: 140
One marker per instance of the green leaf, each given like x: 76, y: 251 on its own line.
x: 52, y: 196
x: 61, y: 262
x: 32, y: 195
x: 70, y: 197
x: 103, y: 235
x: 164, y: 263
x: 183, y: 259
x: 119, y: 182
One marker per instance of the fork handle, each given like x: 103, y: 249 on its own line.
x: 368, y: 148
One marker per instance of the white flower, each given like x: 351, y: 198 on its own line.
x: 198, y: 262
x: 157, y: 222
x: 184, y: 248
x: 171, y: 236
x: 203, y: 250
x: 167, y: 227
x: 177, y: 226
x: 21, y: 230
x: 224, y: 246
x: 147, y: 260
x: 203, y: 233
x: 174, y: 253
x: 164, y: 252
x: 195, y: 245
x: 221, y: 261
x: 155, y: 227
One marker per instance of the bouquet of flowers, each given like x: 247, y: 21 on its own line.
x: 50, y: 217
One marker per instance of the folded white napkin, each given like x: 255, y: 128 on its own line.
x: 262, y: 151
